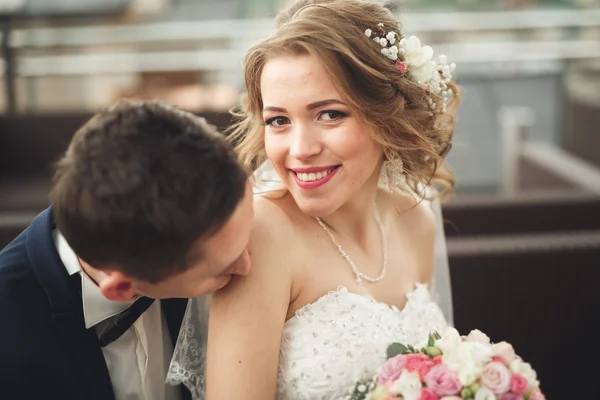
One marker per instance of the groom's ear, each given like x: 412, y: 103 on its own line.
x: 117, y: 286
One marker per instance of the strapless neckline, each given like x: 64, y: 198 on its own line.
x: 344, y: 290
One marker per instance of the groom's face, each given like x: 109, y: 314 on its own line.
x: 214, y: 261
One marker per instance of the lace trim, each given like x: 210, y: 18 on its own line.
x: 188, y: 364
x: 343, y: 289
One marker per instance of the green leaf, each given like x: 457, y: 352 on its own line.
x: 431, y: 341
x: 396, y: 349
x: 412, y: 349
x: 437, y: 335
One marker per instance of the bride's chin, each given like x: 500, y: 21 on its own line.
x: 317, y: 211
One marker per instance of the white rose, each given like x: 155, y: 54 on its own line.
x: 368, y: 32
x: 423, y: 74
x: 481, y: 353
x: 484, y: 394
x: 469, y: 373
x: 515, y: 365
x: 450, y: 338
x: 391, y: 36
x: 416, y: 56
x: 525, y: 369
x: 409, y: 386
x: 476, y: 335
x: 458, y: 356
x: 383, y: 42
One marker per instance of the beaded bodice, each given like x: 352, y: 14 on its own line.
x: 341, y: 338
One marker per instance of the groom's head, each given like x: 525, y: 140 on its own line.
x: 153, y: 201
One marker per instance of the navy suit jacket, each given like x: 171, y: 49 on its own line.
x: 45, y: 349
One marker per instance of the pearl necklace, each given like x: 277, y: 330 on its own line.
x: 359, y: 275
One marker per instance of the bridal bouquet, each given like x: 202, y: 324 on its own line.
x: 452, y: 367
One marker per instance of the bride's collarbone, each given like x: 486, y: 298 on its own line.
x: 388, y: 294
x: 329, y: 275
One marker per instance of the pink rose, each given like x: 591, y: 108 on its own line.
x: 414, y: 361
x: 496, y: 377
x: 437, y: 360
x: 505, y: 351
x: 391, y: 370
x: 427, y: 394
x: 511, y: 396
x: 498, y: 359
x: 424, y: 368
x: 451, y: 398
x: 537, y: 394
x: 443, y: 381
x: 401, y: 67
x: 518, y: 383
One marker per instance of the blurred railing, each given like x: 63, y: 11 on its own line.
x: 512, y: 22
x: 470, y: 37
x: 536, y: 164
x: 115, y: 54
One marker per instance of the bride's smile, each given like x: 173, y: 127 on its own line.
x: 314, y: 177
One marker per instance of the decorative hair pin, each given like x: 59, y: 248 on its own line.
x: 417, y: 64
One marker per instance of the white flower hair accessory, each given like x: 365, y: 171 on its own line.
x: 417, y: 63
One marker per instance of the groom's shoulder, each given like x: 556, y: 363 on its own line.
x: 15, y: 270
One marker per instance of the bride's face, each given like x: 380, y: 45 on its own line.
x: 321, y: 150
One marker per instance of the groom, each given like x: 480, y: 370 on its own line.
x: 148, y: 202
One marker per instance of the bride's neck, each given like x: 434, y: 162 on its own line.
x: 356, y: 218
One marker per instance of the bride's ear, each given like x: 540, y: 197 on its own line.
x: 117, y: 286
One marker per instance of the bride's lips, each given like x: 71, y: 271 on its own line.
x: 310, y: 178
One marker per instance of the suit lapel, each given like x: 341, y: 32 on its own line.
x: 89, y: 367
x: 174, y: 310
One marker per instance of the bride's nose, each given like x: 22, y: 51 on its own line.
x: 305, y: 142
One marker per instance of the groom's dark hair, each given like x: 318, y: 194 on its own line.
x: 140, y: 184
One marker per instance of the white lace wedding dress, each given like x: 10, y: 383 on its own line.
x: 341, y: 338
x: 330, y: 344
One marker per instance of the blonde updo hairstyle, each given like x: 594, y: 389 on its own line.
x: 396, y: 108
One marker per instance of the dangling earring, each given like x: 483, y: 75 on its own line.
x: 393, y: 174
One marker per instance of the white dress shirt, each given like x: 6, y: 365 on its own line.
x: 139, y: 360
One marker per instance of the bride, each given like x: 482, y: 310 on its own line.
x: 353, y: 121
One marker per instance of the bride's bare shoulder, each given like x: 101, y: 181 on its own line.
x: 274, y: 225
x: 416, y: 223
x: 411, y: 210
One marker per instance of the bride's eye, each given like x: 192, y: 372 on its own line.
x: 277, y: 122
x: 331, y: 115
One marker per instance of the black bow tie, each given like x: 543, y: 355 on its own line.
x: 118, y: 325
